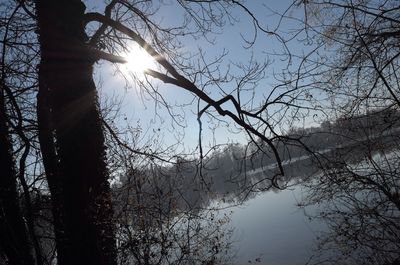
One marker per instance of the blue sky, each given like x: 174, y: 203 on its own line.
x: 154, y: 119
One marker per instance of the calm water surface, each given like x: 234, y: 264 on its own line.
x: 272, y: 228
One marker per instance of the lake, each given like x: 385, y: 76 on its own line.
x: 272, y: 229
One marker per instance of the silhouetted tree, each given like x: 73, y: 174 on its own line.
x: 358, y: 71
x: 13, y: 233
x: 85, y: 232
x: 65, y: 137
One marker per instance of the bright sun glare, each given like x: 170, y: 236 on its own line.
x: 139, y: 60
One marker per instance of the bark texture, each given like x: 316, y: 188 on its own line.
x: 68, y: 107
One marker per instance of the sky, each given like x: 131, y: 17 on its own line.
x: 140, y: 110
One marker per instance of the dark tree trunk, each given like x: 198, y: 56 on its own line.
x: 14, y: 239
x: 50, y: 162
x: 79, y: 186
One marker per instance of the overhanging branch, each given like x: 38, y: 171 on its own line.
x: 181, y: 81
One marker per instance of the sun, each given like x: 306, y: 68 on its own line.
x: 138, y: 60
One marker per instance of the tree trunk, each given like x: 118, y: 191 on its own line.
x: 50, y: 162
x: 80, y: 189
x: 14, y: 239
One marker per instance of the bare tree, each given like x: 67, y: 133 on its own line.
x: 13, y: 233
x: 19, y: 239
x: 66, y: 137
x: 358, y: 190
x: 356, y: 67
x: 159, y: 223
